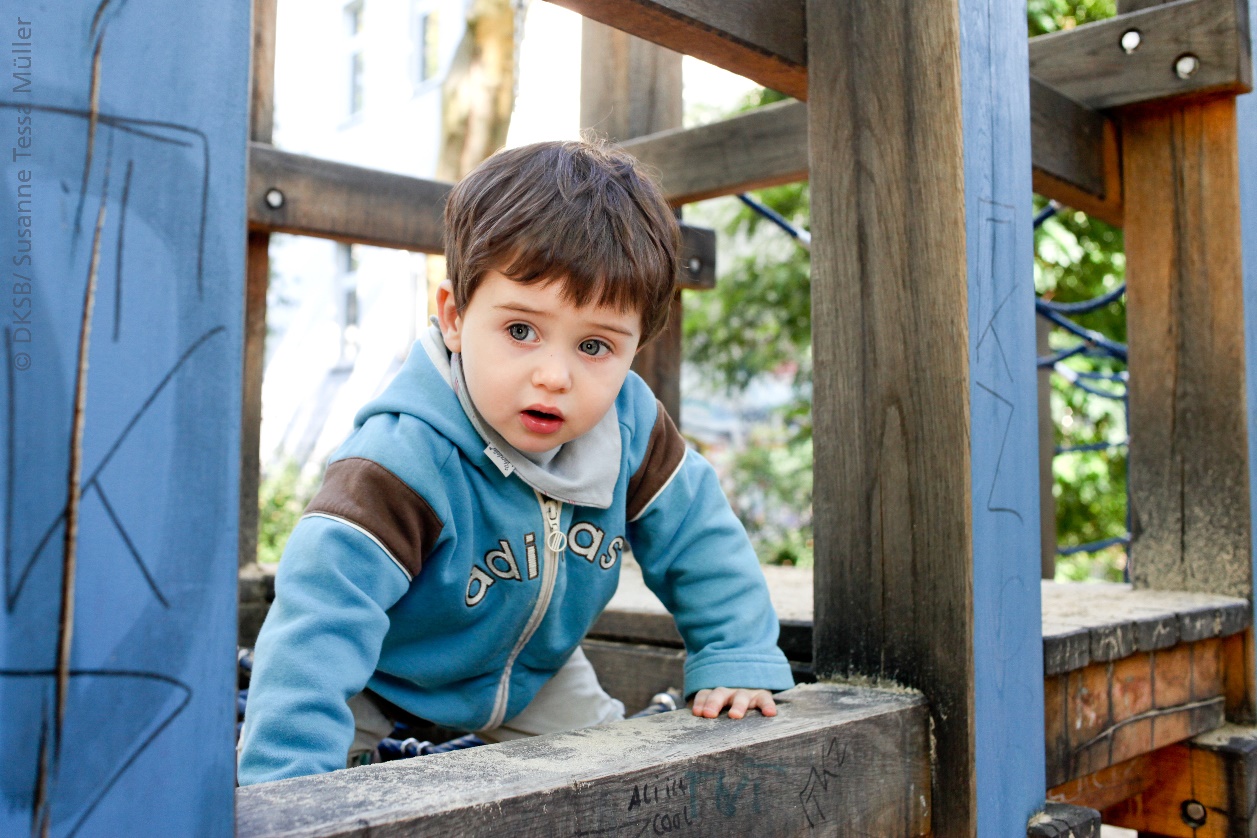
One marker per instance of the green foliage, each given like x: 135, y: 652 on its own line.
x: 282, y: 497
x: 1043, y: 16
x: 1078, y: 258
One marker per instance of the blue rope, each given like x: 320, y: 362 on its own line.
x: 803, y: 237
x: 1095, y: 446
x: 1093, y: 546
x: 1117, y: 350
x: 1086, y: 306
x: 1051, y: 360
x: 1047, y: 212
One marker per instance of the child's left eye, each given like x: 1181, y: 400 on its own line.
x: 594, y: 347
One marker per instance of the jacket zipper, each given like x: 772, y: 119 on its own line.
x: 555, y: 544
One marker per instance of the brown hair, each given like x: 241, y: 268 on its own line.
x: 583, y: 213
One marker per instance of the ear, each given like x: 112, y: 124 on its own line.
x: 449, y: 318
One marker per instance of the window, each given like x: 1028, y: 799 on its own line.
x: 353, y: 27
x: 426, y: 41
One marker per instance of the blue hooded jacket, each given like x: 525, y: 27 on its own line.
x: 428, y: 570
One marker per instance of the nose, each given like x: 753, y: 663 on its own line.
x: 552, y: 373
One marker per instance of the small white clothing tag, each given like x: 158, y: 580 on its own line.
x: 499, y: 459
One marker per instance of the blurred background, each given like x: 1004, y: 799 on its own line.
x: 430, y: 87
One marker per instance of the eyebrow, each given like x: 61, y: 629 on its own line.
x: 523, y: 309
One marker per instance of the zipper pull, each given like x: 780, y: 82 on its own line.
x: 556, y: 539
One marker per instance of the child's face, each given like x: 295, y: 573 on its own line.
x: 540, y: 370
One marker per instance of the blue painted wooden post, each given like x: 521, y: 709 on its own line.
x: 1003, y: 399
x: 123, y: 131
x: 927, y: 525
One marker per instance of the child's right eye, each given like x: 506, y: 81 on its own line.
x: 519, y: 331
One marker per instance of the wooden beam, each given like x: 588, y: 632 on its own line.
x: 1204, y: 787
x: 346, y: 203
x: 121, y: 397
x: 1089, y: 64
x: 763, y: 41
x: 926, y: 492
x: 1073, y: 151
x: 631, y: 87
x: 763, y: 147
x: 257, y: 277
x: 1189, y: 467
x: 835, y: 759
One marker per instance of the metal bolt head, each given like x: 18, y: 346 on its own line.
x: 1194, y: 813
x: 274, y: 198
x: 1131, y: 39
x: 694, y: 266
x: 1185, y: 66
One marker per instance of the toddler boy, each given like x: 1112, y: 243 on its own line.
x: 471, y: 530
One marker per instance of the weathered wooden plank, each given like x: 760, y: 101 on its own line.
x: 838, y: 759
x: 1189, y: 454
x: 120, y: 391
x: 292, y: 193
x: 763, y: 147
x: 1075, y: 154
x: 1059, y: 820
x: 1065, y: 647
x: 1109, y: 712
x: 330, y: 200
x: 1073, y: 150
x: 1204, y: 787
x: 763, y: 41
x: 923, y: 345
x: 1108, y: 786
x: 1089, y: 64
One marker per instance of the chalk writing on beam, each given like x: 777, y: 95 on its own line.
x: 833, y: 758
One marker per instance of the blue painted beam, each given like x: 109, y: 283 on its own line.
x: 1003, y: 403
x: 926, y: 475
x: 123, y: 130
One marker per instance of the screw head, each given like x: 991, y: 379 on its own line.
x: 694, y: 265
x: 1185, y: 66
x: 1194, y: 813
x: 1131, y: 39
x: 274, y: 198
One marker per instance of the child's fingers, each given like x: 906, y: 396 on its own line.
x: 741, y: 699
x: 709, y: 703
x: 763, y: 699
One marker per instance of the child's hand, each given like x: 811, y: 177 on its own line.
x: 709, y: 703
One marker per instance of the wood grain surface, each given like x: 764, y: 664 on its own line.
x: 1189, y: 469
x: 257, y: 277
x: 763, y: 41
x: 835, y: 760
x: 346, y: 203
x: 1088, y: 64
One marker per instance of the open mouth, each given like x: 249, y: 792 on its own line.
x: 541, y: 421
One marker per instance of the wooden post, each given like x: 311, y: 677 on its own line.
x: 630, y: 88
x: 122, y: 402
x: 1189, y: 457
x: 257, y: 277
x: 926, y: 490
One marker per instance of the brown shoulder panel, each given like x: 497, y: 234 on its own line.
x: 664, y: 454
x: 367, y: 494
